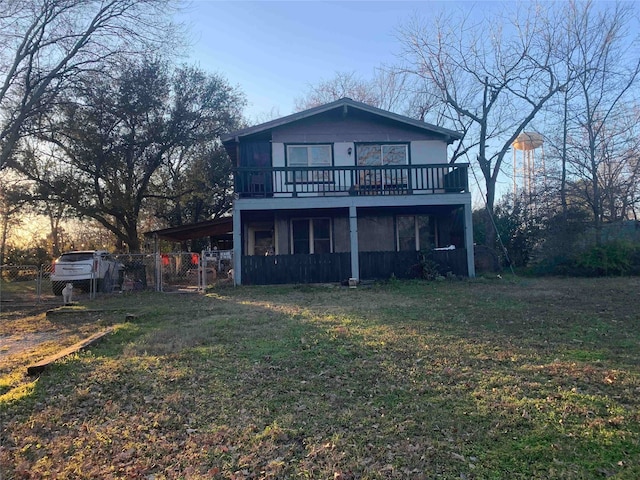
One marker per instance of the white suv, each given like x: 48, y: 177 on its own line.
x: 79, y: 268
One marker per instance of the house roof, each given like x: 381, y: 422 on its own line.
x: 210, y: 228
x: 345, y: 104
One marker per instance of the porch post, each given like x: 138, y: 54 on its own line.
x: 237, y: 246
x: 468, y: 239
x: 353, y: 237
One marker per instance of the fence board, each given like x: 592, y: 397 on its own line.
x: 383, y: 265
x: 452, y: 261
x: 279, y: 269
x: 87, y: 342
x: 336, y: 267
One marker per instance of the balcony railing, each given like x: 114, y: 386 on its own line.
x: 355, y: 180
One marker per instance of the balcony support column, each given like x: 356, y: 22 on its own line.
x: 353, y: 237
x: 468, y: 239
x: 237, y: 245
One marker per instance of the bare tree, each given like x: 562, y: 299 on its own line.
x: 602, y: 148
x: 493, y: 75
x: 389, y: 89
x: 604, y: 171
x: 343, y: 84
x: 46, y: 44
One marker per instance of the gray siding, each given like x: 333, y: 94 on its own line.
x: 349, y: 129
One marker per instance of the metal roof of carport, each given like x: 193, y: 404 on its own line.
x: 210, y: 228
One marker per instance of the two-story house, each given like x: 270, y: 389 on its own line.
x: 346, y: 190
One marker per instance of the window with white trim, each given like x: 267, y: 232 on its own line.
x: 310, y: 156
x: 415, y: 232
x: 381, y: 155
x: 311, y: 235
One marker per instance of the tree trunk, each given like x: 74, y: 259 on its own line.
x: 489, y: 229
x: 132, y: 241
x: 3, y: 240
x: 563, y: 177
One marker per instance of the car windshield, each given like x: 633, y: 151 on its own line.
x: 76, y: 257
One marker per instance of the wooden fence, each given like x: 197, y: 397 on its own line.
x: 336, y: 267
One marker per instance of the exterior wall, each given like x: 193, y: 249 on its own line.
x: 421, y: 152
x: 277, y: 154
x: 354, y: 127
x: 341, y: 157
x: 344, y: 133
x: 428, y: 152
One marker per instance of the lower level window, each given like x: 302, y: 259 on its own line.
x: 311, y: 235
x: 263, y: 242
x: 415, y: 232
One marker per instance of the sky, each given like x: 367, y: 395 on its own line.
x: 273, y: 50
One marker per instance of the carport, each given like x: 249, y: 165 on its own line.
x: 219, y: 232
x: 217, y: 256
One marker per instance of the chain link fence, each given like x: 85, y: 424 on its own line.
x: 137, y: 272
x: 166, y: 272
x: 215, y: 268
x: 20, y: 284
x: 25, y: 285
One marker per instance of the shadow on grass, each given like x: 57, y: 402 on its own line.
x: 410, y: 380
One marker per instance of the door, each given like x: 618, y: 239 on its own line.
x: 255, y: 163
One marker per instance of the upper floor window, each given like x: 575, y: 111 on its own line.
x: 310, y: 156
x: 381, y: 154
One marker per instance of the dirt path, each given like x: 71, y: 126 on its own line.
x: 17, y: 344
x: 30, y: 334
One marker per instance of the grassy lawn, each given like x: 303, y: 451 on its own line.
x: 487, y: 379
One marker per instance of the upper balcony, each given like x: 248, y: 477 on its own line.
x: 286, y: 182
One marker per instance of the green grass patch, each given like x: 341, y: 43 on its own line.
x: 485, y: 379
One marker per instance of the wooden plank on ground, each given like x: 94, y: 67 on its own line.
x: 40, y: 366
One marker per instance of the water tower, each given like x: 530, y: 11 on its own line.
x: 526, y: 167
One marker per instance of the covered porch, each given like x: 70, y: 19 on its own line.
x: 363, y: 242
